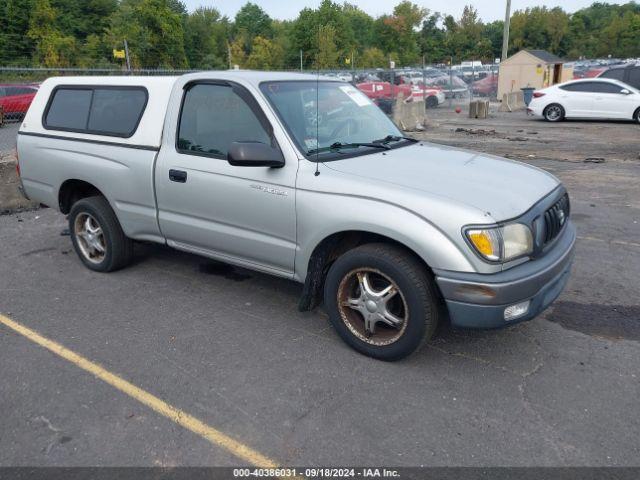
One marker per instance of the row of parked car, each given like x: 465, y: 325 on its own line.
x: 432, y: 85
x: 456, y: 83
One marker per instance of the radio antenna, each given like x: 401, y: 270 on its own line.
x: 318, y: 109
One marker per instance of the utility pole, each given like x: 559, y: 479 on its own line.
x: 450, y: 82
x: 505, y: 38
x: 126, y: 55
x: 229, y: 54
x: 301, y: 60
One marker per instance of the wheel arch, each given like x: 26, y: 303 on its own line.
x: 72, y: 190
x: 330, y: 248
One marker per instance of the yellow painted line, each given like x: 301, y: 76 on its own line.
x: 174, y: 414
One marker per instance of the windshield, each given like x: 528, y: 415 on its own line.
x: 329, y: 117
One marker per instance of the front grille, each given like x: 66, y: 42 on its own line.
x: 556, y: 218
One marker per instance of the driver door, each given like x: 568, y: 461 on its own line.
x: 243, y: 215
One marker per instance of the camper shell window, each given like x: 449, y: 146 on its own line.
x: 99, y: 110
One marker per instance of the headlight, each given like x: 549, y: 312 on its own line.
x: 501, y: 244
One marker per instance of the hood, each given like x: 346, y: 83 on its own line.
x: 502, y: 188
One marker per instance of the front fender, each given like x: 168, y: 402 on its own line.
x: 322, y: 214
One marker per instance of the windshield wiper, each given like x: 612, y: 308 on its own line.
x: 393, y: 138
x: 339, y: 146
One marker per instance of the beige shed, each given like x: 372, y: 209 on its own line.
x: 532, y: 68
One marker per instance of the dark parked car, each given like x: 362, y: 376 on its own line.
x: 629, y: 74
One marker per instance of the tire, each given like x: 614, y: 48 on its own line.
x: 636, y: 116
x: 554, y: 113
x: 414, y: 302
x: 102, y: 231
x: 432, y: 102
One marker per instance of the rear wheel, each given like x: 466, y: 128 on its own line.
x: 97, y: 236
x: 554, y: 113
x: 636, y: 116
x: 432, y: 102
x: 381, y: 301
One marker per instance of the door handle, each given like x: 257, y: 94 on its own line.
x: 179, y: 176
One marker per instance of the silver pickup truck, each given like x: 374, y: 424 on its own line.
x: 304, y: 178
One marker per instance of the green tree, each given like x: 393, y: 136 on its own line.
x: 361, y: 25
x: 304, y: 32
x: 494, y: 32
x: 467, y: 40
x: 251, y: 21
x: 432, y: 39
x: 16, y: 47
x: 206, y: 33
x: 539, y: 28
x: 265, y: 55
x: 52, y: 48
x: 397, y: 32
x: 327, y: 55
x: 373, y: 58
x: 153, y: 31
x: 238, y: 55
x: 81, y: 18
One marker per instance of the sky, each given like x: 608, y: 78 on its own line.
x: 489, y: 10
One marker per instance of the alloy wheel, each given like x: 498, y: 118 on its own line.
x: 90, y: 238
x: 554, y: 113
x: 372, y: 306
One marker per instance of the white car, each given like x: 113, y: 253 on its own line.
x: 589, y: 98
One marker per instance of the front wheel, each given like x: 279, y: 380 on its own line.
x: 554, y: 113
x: 97, y: 236
x: 432, y: 102
x: 636, y: 116
x: 381, y: 301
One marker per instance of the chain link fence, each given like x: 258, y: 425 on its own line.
x: 18, y: 86
x: 428, y: 87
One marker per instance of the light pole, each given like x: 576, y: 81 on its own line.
x: 505, y: 37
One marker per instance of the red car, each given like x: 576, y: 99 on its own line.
x: 377, y: 90
x: 384, y: 92
x: 15, y: 99
x: 486, y: 87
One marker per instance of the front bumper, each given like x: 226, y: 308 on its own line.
x: 479, y: 301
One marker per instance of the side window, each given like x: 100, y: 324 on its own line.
x: 109, y: 111
x: 592, y: 87
x: 574, y: 87
x: 69, y: 109
x: 634, y: 77
x: 615, y: 73
x: 213, y: 117
x: 115, y: 111
x: 607, y: 88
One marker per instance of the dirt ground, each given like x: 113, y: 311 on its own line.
x: 520, y: 136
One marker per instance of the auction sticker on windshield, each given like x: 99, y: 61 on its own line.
x: 356, y: 95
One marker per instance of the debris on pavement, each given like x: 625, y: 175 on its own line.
x: 475, y: 131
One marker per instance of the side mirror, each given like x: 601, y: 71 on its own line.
x: 624, y: 91
x: 254, y: 154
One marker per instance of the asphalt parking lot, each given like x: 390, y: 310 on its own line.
x: 229, y: 347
